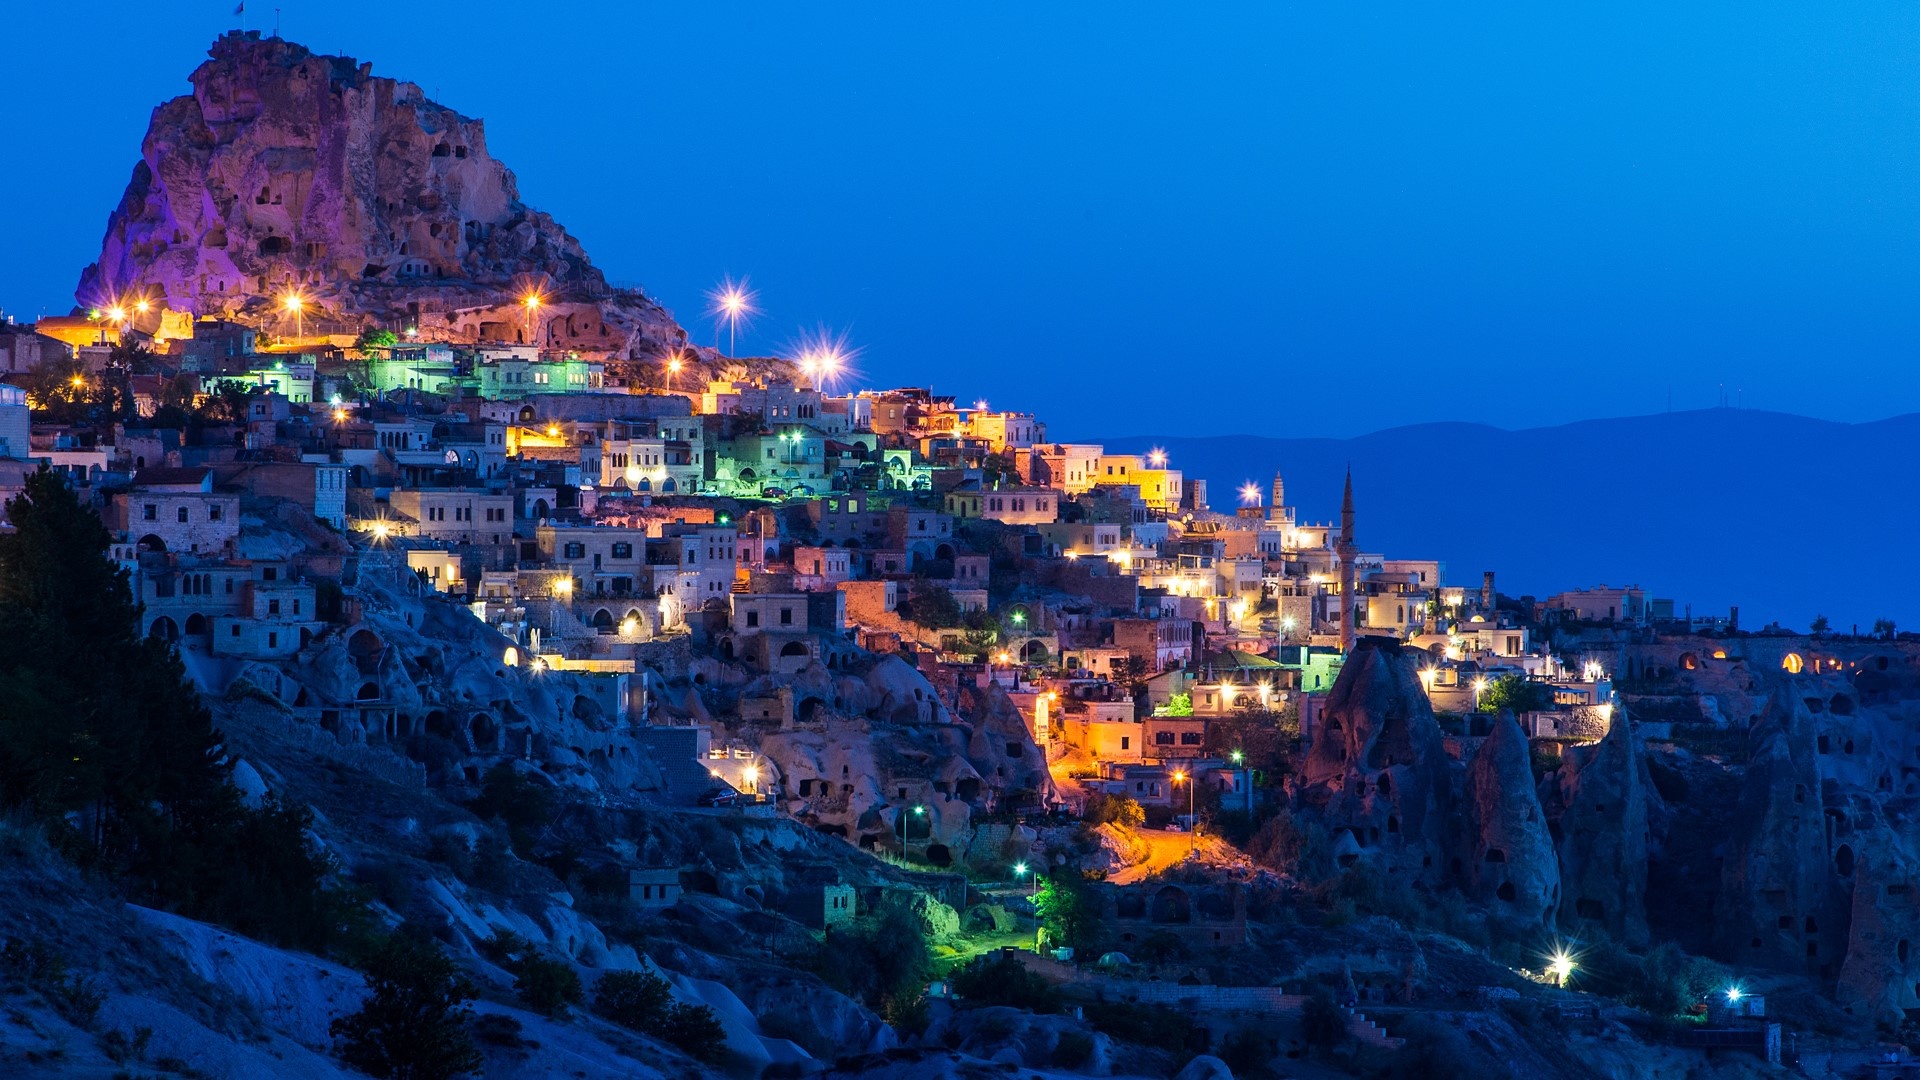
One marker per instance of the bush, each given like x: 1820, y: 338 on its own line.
x: 548, y: 986
x: 1106, y: 809
x: 999, y: 979
x: 1433, y: 1051
x: 1144, y: 1025
x: 642, y: 1001
x: 413, y: 1024
x: 39, y: 968
x: 1322, y: 1023
x: 633, y: 999
x: 1073, y: 1050
x: 525, y: 805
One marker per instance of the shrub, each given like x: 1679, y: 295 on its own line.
x: 999, y: 979
x: 1322, y: 1023
x: 1433, y: 1051
x: 546, y: 985
x: 1106, y: 809
x: 642, y: 1001
x: 1145, y: 1025
x: 413, y: 1024
x: 632, y: 999
x: 1073, y: 1050
x: 525, y: 805
x: 37, y: 966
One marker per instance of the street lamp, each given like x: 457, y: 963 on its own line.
x: 296, y: 306
x: 1479, y: 684
x: 531, y: 302
x: 733, y: 304
x: 751, y: 774
x: 1020, y: 870
x: 1561, y: 966
x: 1180, y: 777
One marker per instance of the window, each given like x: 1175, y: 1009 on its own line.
x: 273, y: 607
x: 786, y: 616
x: 1163, y: 738
x: 296, y: 605
x: 753, y: 618
x: 213, y: 512
x: 623, y: 551
x: 269, y: 573
x: 183, y: 515
x: 575, y: 551
x: 273, y: 640
x: 151, y: 512
x: 1125, y: 742
x: 234, y: 630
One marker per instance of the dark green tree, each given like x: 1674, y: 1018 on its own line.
x: 1820, y: 626
x: 98, y: 724
x: 1070, y: 911
x: 1516, y: 694
x: 414, y: 1022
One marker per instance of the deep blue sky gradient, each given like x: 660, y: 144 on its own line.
x: 1294, y: 220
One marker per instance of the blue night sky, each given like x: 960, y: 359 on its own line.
x: 1279, y: 219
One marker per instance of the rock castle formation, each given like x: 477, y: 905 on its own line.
x: 288, y: 173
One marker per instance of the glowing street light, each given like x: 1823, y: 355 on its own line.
x: 1157, y: 457
x: 296, y: 306
x: 563, y: 587
x: 1479, y: 684
x: 1180, y: 777
x: 629, y: 626
x: 733, y: 304
x: 531, y: 302
x: 674, y: 364
x: 142, y: 306
x: 751, y: 774
x: 1237, y: 757
x: 1560, y: 966
x: 1020, y: 870
x: 1250, y: 494
x: 1734, y: 994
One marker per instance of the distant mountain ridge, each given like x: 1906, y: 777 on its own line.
x: 1784, y: 516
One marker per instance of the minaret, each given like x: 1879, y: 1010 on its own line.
x: 1347, y: 552
x: 1277, y: 511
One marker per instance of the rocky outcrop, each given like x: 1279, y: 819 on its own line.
x: 286, y: 172
x: 1509, y: 859
x: 1597, y: 803
x: 1378, y: 771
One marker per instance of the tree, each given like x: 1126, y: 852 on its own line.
x: 1518, y: 695
x: 1070, y: 912
x: 100, y: 733
x: 933, y: 607
x: 1179, y: 705
x: 414, y: 1023
x: 104, y: 741
x: 376, y: 339
x: 1883, y: 628
x: 1820, y: 626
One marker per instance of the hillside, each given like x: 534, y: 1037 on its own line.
x: 1784, y: 516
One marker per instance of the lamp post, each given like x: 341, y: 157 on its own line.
x: 296, y: 306
x: 1180, y: 776
x: 532, y: 303
x: 1479, y: 684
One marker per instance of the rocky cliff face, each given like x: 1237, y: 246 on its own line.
x: 1378, y: 771
x: 1510, y: 860
x: 288, y: 172
x: 1597, y: 803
